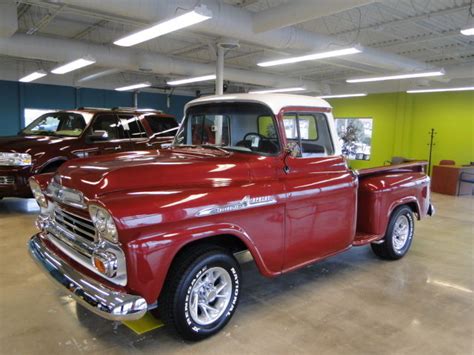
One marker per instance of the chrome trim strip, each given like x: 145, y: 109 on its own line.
x: 65, y: 195
x: 103, y: 301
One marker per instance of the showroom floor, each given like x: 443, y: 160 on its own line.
x: 352, y: 303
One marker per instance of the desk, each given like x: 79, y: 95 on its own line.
x: 445, y: 180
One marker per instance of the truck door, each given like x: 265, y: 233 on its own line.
x: 321, y: 192
x: 116, y: 140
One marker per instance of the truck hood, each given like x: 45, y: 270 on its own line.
x: 147, y: 170
x: 31, y: 144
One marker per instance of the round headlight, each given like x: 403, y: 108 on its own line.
x: 38, y: 194
x: 104, y: 223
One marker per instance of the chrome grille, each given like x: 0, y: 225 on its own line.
x: 79, y: 226
x: 7, y: 180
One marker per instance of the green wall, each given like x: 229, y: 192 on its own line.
x: 402, y: 122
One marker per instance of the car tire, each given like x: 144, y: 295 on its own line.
x: 201, y: 292
x: 399, y: 235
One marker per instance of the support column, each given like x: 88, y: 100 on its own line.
x: 135, y: 99
x: 220, y: 70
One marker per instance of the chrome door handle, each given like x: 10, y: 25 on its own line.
x: 114, y: 148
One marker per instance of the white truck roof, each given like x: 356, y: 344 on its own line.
x: 275, y: 101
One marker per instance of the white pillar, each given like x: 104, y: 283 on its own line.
x: 219, y: 90
x: 135, y: 99
x: 220, y: 70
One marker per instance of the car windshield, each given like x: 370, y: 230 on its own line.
x: 57, y: 124
x: 246, y: 127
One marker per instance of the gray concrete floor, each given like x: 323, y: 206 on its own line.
x: 353, y: 303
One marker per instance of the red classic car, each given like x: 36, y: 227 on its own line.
x: 158, y: 229
x: 57, y: 137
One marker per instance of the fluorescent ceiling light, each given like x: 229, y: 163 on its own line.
x: 74, y: 65
x: 276, y: 90
x: 468, y: 31
x: 188, y: 19
x: 192, y: 80
x: 314, y: 56
x: 33, y: 76
x: 396, y: 77
x: 467, y: 88
x: 133, y: 87
x: 343, y: 95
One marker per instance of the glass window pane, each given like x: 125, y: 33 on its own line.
x: 133, y: 126
x: 161, y: 124
x: 58, y: 124
x: 108, y: 123
x: 246, y: 127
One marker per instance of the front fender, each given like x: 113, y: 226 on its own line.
x: 149, y: 259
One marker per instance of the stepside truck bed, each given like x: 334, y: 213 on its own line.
x: 382, y: 189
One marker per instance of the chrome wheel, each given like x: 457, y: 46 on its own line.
x: 401, y: 232
x: 210, y: 296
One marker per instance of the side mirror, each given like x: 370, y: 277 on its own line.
x: 98, y: 136
x: 293, y: 150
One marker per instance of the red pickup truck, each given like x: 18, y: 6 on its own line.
x: 158, y: 229
x: 56, y: 137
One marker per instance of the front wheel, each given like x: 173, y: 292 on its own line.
x: 202, y: 292
x: 399, y: 236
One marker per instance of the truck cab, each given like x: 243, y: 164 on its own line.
x: 158, y: 229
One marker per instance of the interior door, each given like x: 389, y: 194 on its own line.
x: 116, y: 141
x: 321, y: 192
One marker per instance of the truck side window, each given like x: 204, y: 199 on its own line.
x: 110, y: 124
x: 310, y: 131
x: 161, y: 124
x: 133, y: 126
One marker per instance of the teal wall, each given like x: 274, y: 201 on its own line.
x: 15, y: 97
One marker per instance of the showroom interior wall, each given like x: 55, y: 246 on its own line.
x: 402, y: 122
x: 15, y: 97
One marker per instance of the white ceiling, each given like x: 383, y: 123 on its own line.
x: 425, y: 30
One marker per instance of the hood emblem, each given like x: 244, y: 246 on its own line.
x: 246, y: 202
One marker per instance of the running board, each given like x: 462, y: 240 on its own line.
x: 366, y: 238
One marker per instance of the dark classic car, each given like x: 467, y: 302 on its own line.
x: 261, y: 173
x: 57, y: 137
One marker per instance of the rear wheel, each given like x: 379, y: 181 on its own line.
x: 201, y: 292
x: 399, y: 236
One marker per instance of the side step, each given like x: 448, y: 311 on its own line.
x: 365, y: 238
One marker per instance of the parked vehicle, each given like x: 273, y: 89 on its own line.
x: 56, y: 137
x: 158, y: 230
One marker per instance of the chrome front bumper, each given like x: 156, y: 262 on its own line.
x: 101, y: 300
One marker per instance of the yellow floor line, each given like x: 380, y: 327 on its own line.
x: 144, y: 324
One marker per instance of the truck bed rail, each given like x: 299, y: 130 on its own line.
x: 415, y: 166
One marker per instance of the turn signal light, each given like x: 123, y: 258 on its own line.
x: 105, y: 262
x: 99, y: 265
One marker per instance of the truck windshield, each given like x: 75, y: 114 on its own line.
x: 57, y: 124
x: 246, y: 127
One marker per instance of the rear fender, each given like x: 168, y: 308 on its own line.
x: 411, y: 201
